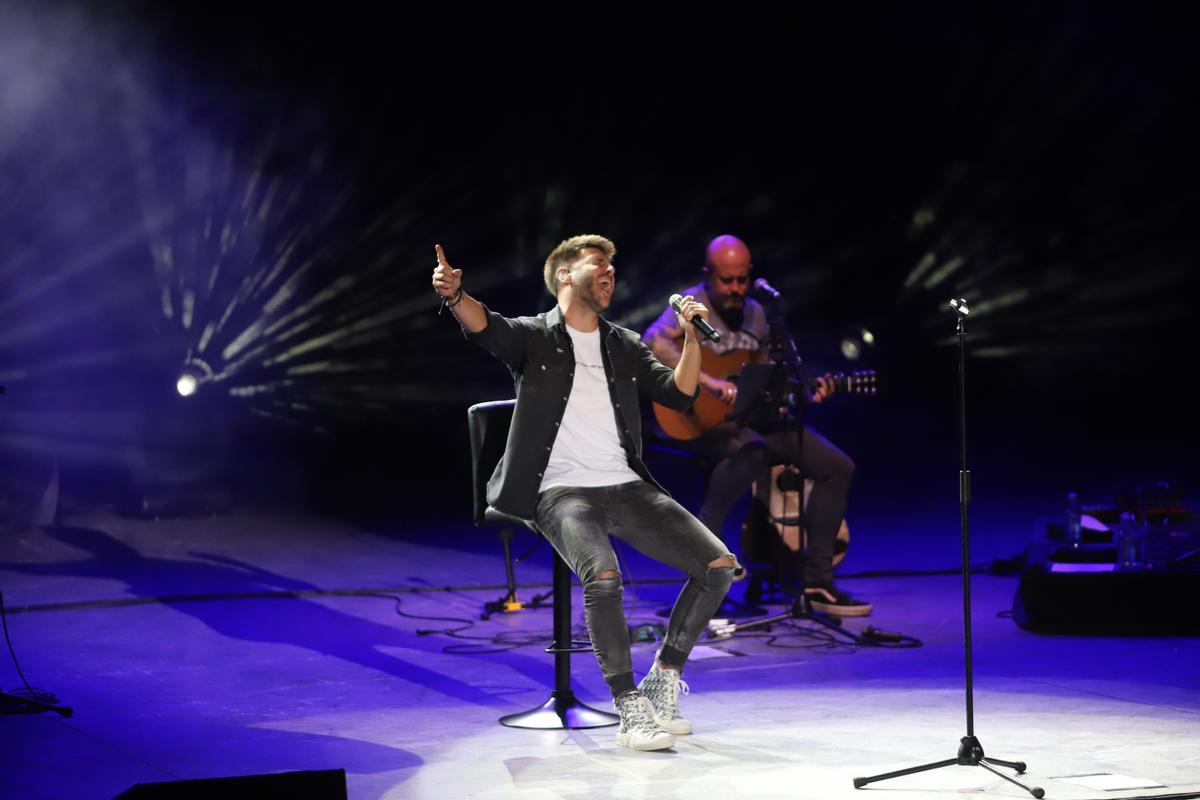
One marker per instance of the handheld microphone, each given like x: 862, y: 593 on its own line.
x: 700, y: 323
x: 762, y: 287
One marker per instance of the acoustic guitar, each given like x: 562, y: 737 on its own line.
x: 708, y: 411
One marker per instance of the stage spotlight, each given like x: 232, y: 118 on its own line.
x: 192, y: 374
x: 856, y: 343
x: 186, y: 385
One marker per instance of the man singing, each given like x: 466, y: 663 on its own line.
x: 573, y: 466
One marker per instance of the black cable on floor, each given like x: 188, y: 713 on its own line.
x: 11, y: 650
x: 499, y: 643
x: 27, y: 699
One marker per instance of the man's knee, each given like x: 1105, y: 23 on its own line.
x: 719, y: 575
x: 720, y: 571
x: 752, y: 456
x: 724, y: 562
x: 840, y: 471
x: 606, y: 584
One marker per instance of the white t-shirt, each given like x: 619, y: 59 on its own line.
x: 587, y: 450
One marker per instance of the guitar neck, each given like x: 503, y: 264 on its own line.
x: 860, y: 382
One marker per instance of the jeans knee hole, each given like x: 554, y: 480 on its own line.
x: 611, y: 585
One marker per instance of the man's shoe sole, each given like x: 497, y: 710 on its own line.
x: 663, y: 742
x: 841, y: 611
x: 675, y: 727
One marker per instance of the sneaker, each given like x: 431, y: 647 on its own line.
x: 638, y: 729
x: 662, y: 688
x: 832, y: 600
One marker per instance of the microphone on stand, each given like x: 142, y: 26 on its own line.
x: 762, y: 287
x: 699, y: 322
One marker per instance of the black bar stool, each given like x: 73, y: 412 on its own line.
x: 488, y: 425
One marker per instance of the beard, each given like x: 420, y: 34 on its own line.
x: 593, y: 299
x: 733, y: 316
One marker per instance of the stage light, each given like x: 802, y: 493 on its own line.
x: 856, y: 343
x: 192, y: 374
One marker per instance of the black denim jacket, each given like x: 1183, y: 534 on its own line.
x: 539, y: 353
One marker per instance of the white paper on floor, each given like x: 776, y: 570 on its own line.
x: 1108, y: 782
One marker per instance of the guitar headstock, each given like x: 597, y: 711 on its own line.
x: 863, y: 381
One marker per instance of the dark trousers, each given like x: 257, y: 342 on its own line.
x: 578, y: 521
x: 742, y: 456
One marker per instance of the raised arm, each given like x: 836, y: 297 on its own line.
x: 687, y: 367
x: 447, y: 282
x: 663, y: 336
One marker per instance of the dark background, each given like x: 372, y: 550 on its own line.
x: 261, y: 187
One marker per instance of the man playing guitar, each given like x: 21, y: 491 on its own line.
x: 741, y: 454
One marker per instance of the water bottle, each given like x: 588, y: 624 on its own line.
x: 1074, y: 521
x: 1131, y: 543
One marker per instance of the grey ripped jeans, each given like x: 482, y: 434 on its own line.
x: 578, y: 521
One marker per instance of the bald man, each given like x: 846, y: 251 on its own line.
x: 743, y: 455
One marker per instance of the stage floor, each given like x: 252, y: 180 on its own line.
x: 269, y: 641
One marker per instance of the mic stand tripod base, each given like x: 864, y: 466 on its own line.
x: 16, y: 704
x: 801, y: 609
x: 510, y: 602
x: 729, y: 609
x: 970, y: 754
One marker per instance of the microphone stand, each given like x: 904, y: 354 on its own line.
x: 970, y: 751
x: 784, y: 394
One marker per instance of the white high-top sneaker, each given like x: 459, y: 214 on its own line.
x: 662, y: 688
x: 638, y: 729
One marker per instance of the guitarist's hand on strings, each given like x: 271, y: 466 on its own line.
x: 725, y: 391
x: 823, y: 387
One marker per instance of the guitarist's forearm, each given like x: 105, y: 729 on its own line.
x: 665, y: 350
x: 687, y: 369
x: 668, y: 352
